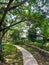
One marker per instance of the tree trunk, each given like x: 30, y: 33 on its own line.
x: 1, y: 49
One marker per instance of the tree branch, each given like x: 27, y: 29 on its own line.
x: 5, y: 12
x: 13, y: 25
x: 14, y: 7
x: 4, y: 33
x: 3, y: 3
x: 20, y: 4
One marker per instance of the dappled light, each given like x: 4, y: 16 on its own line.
x: 24, y: 23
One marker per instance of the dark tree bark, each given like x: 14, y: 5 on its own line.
x: 1, y: 48
x: 5, y: 12
x: 8, y: 27
x: 14, y: 7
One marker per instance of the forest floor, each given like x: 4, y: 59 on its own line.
x: 12, y: 55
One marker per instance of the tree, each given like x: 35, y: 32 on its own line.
x: 4, y: 10
x: 32, y: 34
x: 15, y: 36
x: 44, y: 27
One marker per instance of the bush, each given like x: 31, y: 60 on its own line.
x: 19, y: 42
x: 38, y: 44
x: 27, y: 41
x: 46, y: 48
x: 9, y: 49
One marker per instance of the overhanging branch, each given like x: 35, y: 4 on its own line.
x: 13, y: 25
x: 14, y: 7
x: 3, y: 3
x: 20, y: 4
x: 5, y: 12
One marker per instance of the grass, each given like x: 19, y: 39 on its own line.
x: 47, y: 44
x: 12, y: 55
x: 44, y: 46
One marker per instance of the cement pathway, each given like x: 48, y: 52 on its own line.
x: 28, y: 58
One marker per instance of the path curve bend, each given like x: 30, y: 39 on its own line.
x: 28, y: 58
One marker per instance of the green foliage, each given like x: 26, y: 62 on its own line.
x: 32, y: 35
x: 40, y: 44
x: 9, y: 49
x: 27, y: 41
x: 19, y: 42
x: 15, y: 36
x: 46, y: 48
x: 32, y: 1
x: 13, y: 54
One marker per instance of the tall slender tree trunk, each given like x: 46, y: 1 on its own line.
x: 1, y: 48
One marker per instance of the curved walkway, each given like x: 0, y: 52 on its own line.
x: 28, y: 59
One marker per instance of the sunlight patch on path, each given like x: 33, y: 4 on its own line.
x: 28, y: 58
